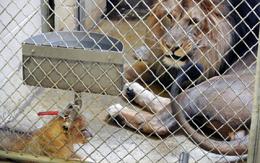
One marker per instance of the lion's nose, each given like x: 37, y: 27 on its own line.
x: 171, y: 47
x: 175, y: 48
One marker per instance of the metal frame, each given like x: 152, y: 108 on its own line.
x: 46, y: 57
x: 44, y: 51
x: 254, y: 144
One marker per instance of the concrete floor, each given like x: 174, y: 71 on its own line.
x: 112, y: 143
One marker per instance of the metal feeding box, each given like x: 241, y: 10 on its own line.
x: 77, y: 61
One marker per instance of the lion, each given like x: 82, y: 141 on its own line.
x: 203, y: 52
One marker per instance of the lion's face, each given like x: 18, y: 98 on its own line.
x: 183, y: 24
x: 186, y: 29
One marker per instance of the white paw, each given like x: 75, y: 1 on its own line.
x: 240, y: 134
x: 135, y: 91
x: 134, y: 87
x: 114, y: 110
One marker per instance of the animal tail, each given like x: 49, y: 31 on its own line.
x: 9, y: 137
x: 234, y: 147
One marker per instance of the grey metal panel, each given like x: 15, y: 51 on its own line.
x: 83, y: 69
x: 77, y: 39
x: 72, y: 54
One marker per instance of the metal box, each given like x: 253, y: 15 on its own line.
x: 77, y: 61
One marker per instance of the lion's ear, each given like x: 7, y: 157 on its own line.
x: 70, y: 112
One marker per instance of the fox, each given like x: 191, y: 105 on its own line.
x: 55, y: 139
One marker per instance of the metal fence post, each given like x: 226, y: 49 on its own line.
x: 254, y: 144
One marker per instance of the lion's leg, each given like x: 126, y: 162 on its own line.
x: 138, y: 71
x: 127, y: 116
x: 142, y: 121
x: 145, y: 98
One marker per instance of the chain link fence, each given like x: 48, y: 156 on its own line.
x: 127, y: 80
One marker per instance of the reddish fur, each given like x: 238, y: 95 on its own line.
x: 51, y: 140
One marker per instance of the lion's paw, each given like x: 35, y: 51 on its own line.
x: 114, y: 110
x: 131, y: 90
x: 114, y: 114
x: 137, y: 93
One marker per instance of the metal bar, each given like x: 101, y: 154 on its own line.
x: 184, y: 157
x: 72, y: 54
x: 46, y: 23
x: 44, y: 13
x: 78, y: 99
x: 254, y: 144
x: 77, y: 15
x: 81, y: 14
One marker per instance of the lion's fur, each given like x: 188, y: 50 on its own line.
x: 214, y: 40
x: 222, y: 38
x: 213, y: 30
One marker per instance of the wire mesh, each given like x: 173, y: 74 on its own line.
x: 188, y: 76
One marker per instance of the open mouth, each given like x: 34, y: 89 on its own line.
x: 177, y: 53
x: 183, y: 58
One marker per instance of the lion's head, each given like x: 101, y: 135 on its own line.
x: 186, y: 30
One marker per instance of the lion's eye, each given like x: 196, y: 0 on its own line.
x: 193, y: 21
x: 167, y: 21
x: 169, y: 16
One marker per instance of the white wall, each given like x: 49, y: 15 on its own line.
x: 19, y: 19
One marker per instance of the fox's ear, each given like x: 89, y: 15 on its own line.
x: 71, y: 111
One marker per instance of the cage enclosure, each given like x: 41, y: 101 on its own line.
x: 120, y: 59
x: 77, y: 61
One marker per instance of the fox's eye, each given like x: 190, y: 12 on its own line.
x: 65, y: 128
